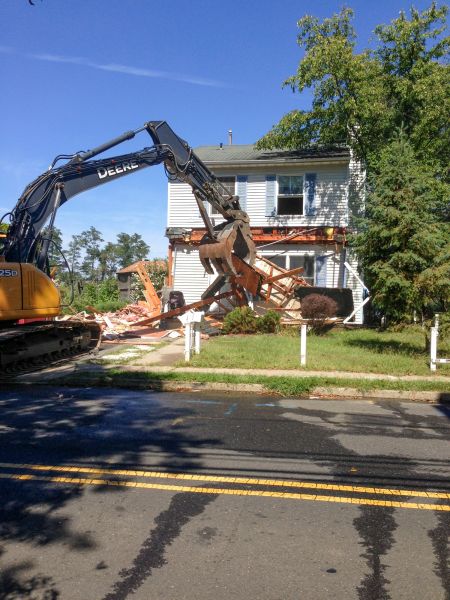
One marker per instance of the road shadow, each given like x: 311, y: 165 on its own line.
x: 443, y: 403
x: 74, y: 426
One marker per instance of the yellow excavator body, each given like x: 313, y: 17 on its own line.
x: 26, y: 293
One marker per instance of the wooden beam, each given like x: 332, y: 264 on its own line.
x: 179, y: 311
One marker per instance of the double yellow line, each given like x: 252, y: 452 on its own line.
x: 271, y: 483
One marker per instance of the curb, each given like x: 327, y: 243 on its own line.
x: 252, y: 388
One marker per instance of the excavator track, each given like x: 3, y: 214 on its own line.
x: 40, y: 345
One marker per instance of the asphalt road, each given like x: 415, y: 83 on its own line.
x: 112, y: 494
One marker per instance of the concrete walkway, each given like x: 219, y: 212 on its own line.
x: 169, y: 358
x: 163, y: 360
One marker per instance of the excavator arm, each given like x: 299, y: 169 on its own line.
x: 42, y: 198
x: 26, y: 290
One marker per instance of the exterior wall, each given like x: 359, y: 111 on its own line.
x: 189, y: 274
x: 332, y: 187
x: 338, y: 197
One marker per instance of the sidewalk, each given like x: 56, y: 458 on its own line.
x: 169, y: 359
x: 163, y: 360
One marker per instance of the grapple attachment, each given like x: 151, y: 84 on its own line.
x: 233, y: 238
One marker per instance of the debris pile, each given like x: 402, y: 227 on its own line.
x: 147, y: 322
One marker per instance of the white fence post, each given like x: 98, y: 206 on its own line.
x: 433, y: 347
x: 187, y: 341
x: 434, y: 333
x: 198, y: 316
x: 303, y: 344
x: 192, y: 322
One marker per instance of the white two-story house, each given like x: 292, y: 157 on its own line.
x: 300, y: 205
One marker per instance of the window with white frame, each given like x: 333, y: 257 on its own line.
x: 294, y: 261
x: 229, y: 183
x: 290, y: 195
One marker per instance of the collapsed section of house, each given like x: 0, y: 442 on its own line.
x: 263, y: 286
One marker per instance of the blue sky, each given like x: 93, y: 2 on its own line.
x: 76, y: 73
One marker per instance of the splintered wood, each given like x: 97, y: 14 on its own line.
x: 277, y: 290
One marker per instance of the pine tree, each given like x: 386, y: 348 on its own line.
x: 404, y: 245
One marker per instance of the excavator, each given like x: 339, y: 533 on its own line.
x: 30, y: 336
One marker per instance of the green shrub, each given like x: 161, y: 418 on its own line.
x: 244, y: 320
x: 109, y: 305
x: 240, y: 320
x: 103, y: 296
x: 269, y: 323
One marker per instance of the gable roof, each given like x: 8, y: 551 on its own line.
x: 245, y: 153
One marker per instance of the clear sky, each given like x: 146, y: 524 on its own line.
x: 76, y: 73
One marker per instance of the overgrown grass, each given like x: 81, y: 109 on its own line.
x: 361, y: 350
x: 286, y: 386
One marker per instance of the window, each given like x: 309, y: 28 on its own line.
x: 307, y: 262
x: 290, y: 195
x: 229, y: 184
x: 294, y: 261
x: 279, y: 259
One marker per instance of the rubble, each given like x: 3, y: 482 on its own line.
x: 142, y: 321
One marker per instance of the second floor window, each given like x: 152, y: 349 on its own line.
x: 290, y: 195
x: 229, y: 184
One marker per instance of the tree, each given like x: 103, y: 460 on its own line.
x: 404, y: 248
x: 55, y: 258
x: 130, y: 248
x: 362, y: 98
x: 73, y: 254
x: 90, y: 241
x: 108, y: 260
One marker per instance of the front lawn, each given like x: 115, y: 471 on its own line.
x: 357, y: 350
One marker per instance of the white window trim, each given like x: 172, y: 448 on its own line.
x: 286, y: 253
x: 295, y: 215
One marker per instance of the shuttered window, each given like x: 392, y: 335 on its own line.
x: 290, y: 195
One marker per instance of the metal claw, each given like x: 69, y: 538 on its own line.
x: 234, y: 237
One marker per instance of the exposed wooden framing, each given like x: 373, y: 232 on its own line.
x: 248, y: 279
x: 179, y: 311
x: 289, y: 235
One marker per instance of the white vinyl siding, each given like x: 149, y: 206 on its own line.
x: 182, y: 210
x: 189, y: 275
x: 331, y: 200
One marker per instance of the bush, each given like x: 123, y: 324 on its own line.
x: 269, y: 323
x: 318, y: 309
x: 244, y: 320
x: 103, y: 296
x: 240, y: 320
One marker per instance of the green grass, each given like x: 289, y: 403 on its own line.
x: 361, y: 350
x: 286, y: 386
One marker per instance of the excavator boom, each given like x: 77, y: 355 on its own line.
x: 26, y: 288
